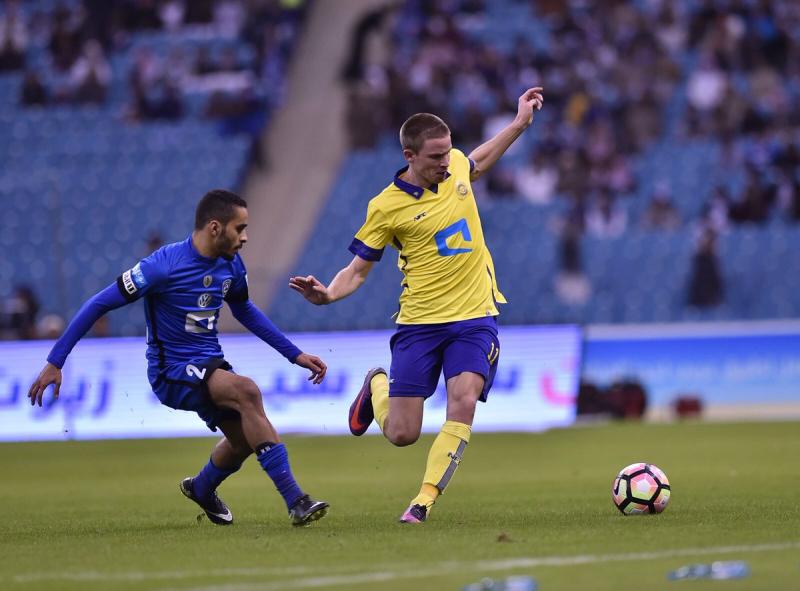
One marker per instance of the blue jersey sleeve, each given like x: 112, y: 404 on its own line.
x: 257, y: 322
x: 147, y: 276
x: 238, y: 290
x: 90, y: 312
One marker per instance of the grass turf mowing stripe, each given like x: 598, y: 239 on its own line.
x: 442, y: 568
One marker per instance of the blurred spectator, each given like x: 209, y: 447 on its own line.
x: 705, y: 91
x: 50, y: 326
x: 20, y: 311
x: 172, y: 13
x: 605, y: 217
x: 65, y: 38
x: 500, y: 180
x: 716, y: 212
x: 754, y: 204
x: 661, y: 214
x: 536, y: 182
x: 229, y: 17
x: 705, y: 288
x: 138, y: 15
x: 154, y: 242
x: 160, y: 102
x: 199, y: 12
x: 368, y: 25
x: 13, y: 38
x: 787, y: 190
x: 90, y: 75
x: 571, y: 284
x: 204, y: 63
x: 33, y: 92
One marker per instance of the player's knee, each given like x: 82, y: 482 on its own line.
x: 403, y: 436
x: 248, y: 393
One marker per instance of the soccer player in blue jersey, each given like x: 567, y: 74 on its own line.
x: 449, y: 301
x: 183, y: 285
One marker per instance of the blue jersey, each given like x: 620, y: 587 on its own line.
x: 183, y: 293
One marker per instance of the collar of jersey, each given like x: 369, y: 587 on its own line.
x: 413, y: 190
x: 196, y: 254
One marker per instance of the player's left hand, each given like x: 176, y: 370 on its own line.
x: 530, y: 101
x: 315, y: 364
x: 49, y: 375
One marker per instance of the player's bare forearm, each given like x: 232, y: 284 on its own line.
x: 487, y: 154
x: 343, y: 284
x: 348, y: 279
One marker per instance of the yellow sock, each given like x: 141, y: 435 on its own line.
x: 379, y: 386
x: 443, y: 459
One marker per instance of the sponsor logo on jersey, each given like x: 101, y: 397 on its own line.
x: 204, y: 300
x: 226, y: 285
x: 419, y: 216
x: 138, y: 276
x: 133, y: 280
x: 207, y: 280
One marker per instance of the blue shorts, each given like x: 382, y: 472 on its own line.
x: 183, y: 386
x: 421, y: 351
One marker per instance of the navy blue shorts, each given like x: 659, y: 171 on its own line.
x: 421, y: 351
x: 183, y: 386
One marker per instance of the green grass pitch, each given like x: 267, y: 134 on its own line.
x: 108, y: 514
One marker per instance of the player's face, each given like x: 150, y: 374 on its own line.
x: 431, y: 162
x: 233, y: 235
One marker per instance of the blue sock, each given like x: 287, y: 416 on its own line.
x: 275, y: 461
x: 209, y: 478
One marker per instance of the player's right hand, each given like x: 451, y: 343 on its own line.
x: 49, y: 375
x: 311, y: 289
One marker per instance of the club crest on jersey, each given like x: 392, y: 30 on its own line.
x: 204, y: 300
x: 226, y: 285
x: 461, y: 189
x: 207, y: 280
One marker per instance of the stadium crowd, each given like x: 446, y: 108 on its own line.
x: 620, y: 77
x: 137, y: 61
x: 67, y: 55
x: 612, y: 72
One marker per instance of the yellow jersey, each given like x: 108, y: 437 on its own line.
x: 448, y: 271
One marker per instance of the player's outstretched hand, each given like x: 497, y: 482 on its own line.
x: 530, y: 101
x: 315, y: 364
x: 49, y: 375
x: 311, y: 289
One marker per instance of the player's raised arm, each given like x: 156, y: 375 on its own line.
x: 485, y: 155
x: 343, y: 284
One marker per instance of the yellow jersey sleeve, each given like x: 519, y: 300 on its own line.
x: 373, y: 236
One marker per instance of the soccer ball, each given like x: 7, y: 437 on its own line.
x: 641, y: 488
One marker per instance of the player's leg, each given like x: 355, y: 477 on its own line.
x: 226, y: 459
x: 414, y: 375
x: 470, y: 362
x: 373, y: 402
x: 228, y: 390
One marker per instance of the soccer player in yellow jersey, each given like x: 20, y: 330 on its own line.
x: 449, y: 300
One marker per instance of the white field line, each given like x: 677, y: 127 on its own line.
x: 438, y: 569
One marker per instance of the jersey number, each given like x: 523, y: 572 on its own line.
x: 196, y: 372
x: 460, y: 227
x: 195, y: 321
